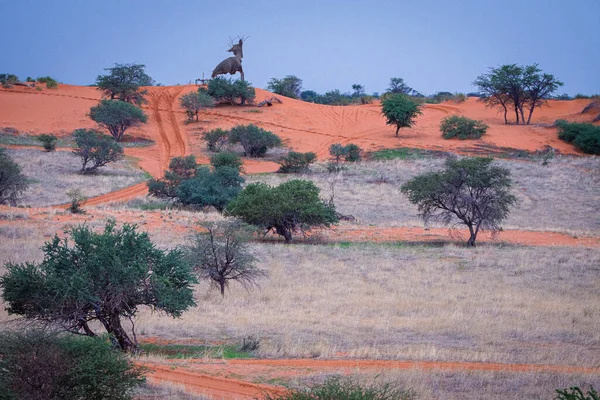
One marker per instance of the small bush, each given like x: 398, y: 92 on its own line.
x: 180, y: 169
x: 296, y: 162
x: 215, y: 139
x: 210, y: 188
x: 48, y: 141
x: 255, y: 141
x: 353, y: 153
x: 7, y: 80
x: 38, y: 365
x: 193, y: 102
x: 228, y: 91
x: 77, y: 199
x: 586, y: 137
x: 226, y: 159
x: 96, y: 149
x: 344, y: 388
x: 12, y: 181
x: 462, y: 128
x: 575, y: 393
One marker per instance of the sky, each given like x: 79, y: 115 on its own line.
x: 433, y: 45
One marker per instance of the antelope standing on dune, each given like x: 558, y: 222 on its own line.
x: 233, y: 64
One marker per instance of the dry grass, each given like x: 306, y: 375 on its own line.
x: 164, y: 391
x: 563, y: 196
x: 53, y: 174
x: 501, y: 304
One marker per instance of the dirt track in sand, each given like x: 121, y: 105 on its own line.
x: 210, y: 377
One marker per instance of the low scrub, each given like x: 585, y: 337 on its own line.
x: 255, y: 141
x: 462, y: 128
x: 38, y: 365
x: 226, y: 159
x: 215, y: 139
x: 586, y: 137
x: 228, y: 91
x: 48, y: 141
x: 295, y: 162
x: 344, y: 388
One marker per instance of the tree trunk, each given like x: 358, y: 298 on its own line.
x: 397, y: 129
x: 473, y: 236
x: 522, y: 115
x: 505, y: 112
x: 115, y: 329
x: 196, y: 116
x: 222, y: 286
x: 530, y: 113
x: 517, y: 114
x: 286, y: 233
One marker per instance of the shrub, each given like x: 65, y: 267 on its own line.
x: 193, y: 102
x: 12, y: 181
x: 99, y: 277
x: 215, y: 139
x: 48, y: 141
x: 290, y: 86
x: 462, y: 128
x: 335, y: 388
x: 226, y: 159
x: 117, y: 116
x: 295, y: 162
x: 255, y: 141
x: 575, y: 393
x: 228, y: 91
x: 8, y: 80
x: 38, y: 365
x: 123, y: 83
x: 586, y: 137
x: 77, y: 199
x: 353, y: 153
x: 96, y: 149
x: 291, y: 206
x: 221, y: 255
x: 400, y: 110
x: 210, y: 188
x: 180, y: 169
x: 470, y: 190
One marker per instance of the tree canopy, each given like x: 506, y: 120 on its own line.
x: 289, y: 86
x: 101, y: 277
x: 117, y: 116
x: 255, y: 140
x: 471, y: 190
x: 517, y: 87
x: 13, y: 182
x: 123, y: 83
x: 400, y: 110
x: 291, y: 206
x: 95, y: 150
x: 193, y: 102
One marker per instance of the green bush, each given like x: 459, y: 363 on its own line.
x: 215, y: 139
x: 575, y: 393
x: 12, y: 181
x: 38, y: 365
x: 294, y: 205
x: 255, y: 141
x: 96, y: 149
x: 462, y: 128
x: 77, y: 199
x: 226, y: 159
x: 8, y: 80
x: 295, y: 162
x: 400, y: 110
x: 117, y: 116
x: 211, y: 188
x: 336, y: 388
x: 193, y: 102
x: 228, y: 91
x: 180, y: 169
x: 586, y: 137
x: 350, y: 152
x: 48, y: 141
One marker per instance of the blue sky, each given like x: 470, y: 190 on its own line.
x: 433, y: 45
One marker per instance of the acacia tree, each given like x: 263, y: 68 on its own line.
x: 400, y: 110
x: 398, y: 86
x: 470, y: 190
x: 291, y: 206
x: 101, y: 277
x: 290, y: 86
x: 95, y: 150
x: 123, y: 83
x: 13, y: 182
x: 518, y: 88
x: 221, y: 255
x: 117, y: 116
x: 193, y: 102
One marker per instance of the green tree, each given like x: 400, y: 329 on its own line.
x: 291, y: 206
x: 95, y: 149
x: 215, y: 139
x: 228, y: 91
x: 518, y: 87
x: 221, y: 255
x: 398, y: 86
x: 48, y: 141
x: 310, y: 96
x: 586, y: 137
x: 255, y: 141
x: 400, y: 110
x: 208, y: 188
x: 226, y: 159
x: 39, y: 365
x: 470, y: 190
x: 575, y: 393
x: 193, y: 102
x: 13, y: 182
x: 290, y: 86
x: 295, y: 162
x: 462, y: 128
x: 180, y: 169
x: 359, y: 90
x: 101, y: 277
x: 123, y: 83
x: 117, y: 116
